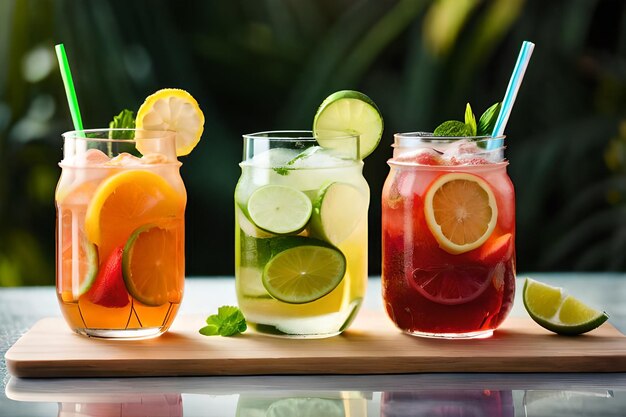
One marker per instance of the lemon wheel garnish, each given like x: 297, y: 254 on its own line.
x: 461, y: 212
x: 173, y: 110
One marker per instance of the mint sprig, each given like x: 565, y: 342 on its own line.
x: 284, y: 170
x: 484, y: 127
x: 228, y: 321
x: 281, y: 170
x: 470, y: 120
x: 453, y: 128
x: 124, y: 120
x: 487, y: 121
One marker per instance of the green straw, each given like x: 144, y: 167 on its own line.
x: 72, y: 100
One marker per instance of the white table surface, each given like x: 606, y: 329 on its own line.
x: 364, y: 395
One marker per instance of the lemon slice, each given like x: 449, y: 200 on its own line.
x: 461, y: 212
x: 553, y: 309
x: 174, y: 110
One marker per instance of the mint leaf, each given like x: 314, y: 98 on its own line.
x: 124, y: 120
x: 211, y: 330
x: 225, y: 312
x: 453, y: 128
x: 487, y: 121
x: 470, y: 119
x: 304, y: 154
x: 228, y: 321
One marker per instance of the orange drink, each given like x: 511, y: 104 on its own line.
x: 120, y: 232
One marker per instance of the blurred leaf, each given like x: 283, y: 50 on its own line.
x: 324, y: 59
x: 484, y: 36
x: 443, y: 23
x: 268, y: 64
x: 387, y: 29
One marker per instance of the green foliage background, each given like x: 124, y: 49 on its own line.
x: 267, y: 64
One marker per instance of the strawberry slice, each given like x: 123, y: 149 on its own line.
x: 497, y: 251
x: 109, y: 289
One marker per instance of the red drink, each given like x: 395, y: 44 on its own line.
x: 448, y: 222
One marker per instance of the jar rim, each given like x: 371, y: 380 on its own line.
x: 430, y: 137
x: 299, y: 135
x: 102, y: 134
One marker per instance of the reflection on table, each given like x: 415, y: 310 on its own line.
x: 444, y: 395
x: 155, y: 405
x: 447, y: 403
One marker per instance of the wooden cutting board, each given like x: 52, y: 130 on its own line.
x: 371, y: 346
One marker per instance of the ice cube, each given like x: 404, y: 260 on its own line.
x: 463, y: 152
x: 90, y: 157
x: 421, y: 156
x: 273, y: 158
x: 318, y: 157
x: 95, y: 157
x: 124, y: 160
x: 154, y: 158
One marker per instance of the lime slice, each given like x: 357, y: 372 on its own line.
x: 246, y: 225
x: 254, y: 252
x: 556, y: 311
x: 279, y: 209
x: 90, y: 263
x: 79, y: 262
x: 349, y: 112
x: 302, y: 269
x: 337, y: 211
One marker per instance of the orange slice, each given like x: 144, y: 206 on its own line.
x: 460, y: 211
x: 451, y: 285
x: 150, y: 265
x: 173, y: 110
x: 125, y: 201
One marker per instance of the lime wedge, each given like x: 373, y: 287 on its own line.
x: 279, y: 209
x: 556, y: 311
x: 350, y: 112
x: 337, y: 211
x: 302, y: 269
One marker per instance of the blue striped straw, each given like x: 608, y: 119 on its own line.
x: 511, y: 93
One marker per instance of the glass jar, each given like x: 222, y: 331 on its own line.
x: 448, y: 236
x: 301, y: 233
x: 120, y: 251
